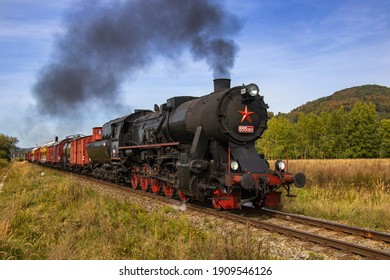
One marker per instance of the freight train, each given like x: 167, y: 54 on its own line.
x: 196, y: 148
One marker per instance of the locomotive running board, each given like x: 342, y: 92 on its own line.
x: 149, y: 146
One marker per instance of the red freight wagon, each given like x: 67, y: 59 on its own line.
x: 56, y: 152
x: 59, y: 152
x: 38, y: 155
x: 34, y: 155
x: 28, y: 156
x: 79, y: 157
x: 50, y: 153
x: 78, y: 151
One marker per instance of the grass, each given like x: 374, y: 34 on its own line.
x: 45, y: 215
x: 356, y: 191
x: 4, y: 164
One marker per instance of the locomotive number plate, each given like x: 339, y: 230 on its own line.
x: 246, y: 129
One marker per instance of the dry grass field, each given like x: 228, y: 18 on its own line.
x: 354, y: 191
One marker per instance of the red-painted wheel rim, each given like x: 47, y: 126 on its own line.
x: 134, y: 176
x: 144, y: 178
x: 183, y: 197
x: 215, y: 199
x: 144, y: 183
x: 168, y: 190
x: 156, y: 185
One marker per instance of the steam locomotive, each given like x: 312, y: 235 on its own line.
x: 199, y: 148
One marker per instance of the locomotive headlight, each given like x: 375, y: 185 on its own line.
x: 280, y: 165
x: 253, y: 89
x: 234, y: 165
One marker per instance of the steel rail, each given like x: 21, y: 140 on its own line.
x: 375, y: 235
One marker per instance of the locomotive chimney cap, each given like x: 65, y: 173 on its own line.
x: 221, y: 83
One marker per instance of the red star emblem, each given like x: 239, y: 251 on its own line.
x: 246, y: 114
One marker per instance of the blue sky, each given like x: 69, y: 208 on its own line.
x: 296, y: 51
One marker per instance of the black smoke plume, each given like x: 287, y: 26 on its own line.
x: 106, y: 42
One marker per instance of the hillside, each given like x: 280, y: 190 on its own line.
x: 379, y: 95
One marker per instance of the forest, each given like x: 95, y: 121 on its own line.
x: 356, y: 132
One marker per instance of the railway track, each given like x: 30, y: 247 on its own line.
x: 325, y: 233
x: 353, y: 240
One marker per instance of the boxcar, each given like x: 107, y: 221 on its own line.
x: 78, y: 153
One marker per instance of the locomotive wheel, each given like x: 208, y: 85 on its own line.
x: 135, y: 176
x: 144, y: 178
x: 183, y: 197
x: 144, y: 183
x: 168, y: 190
x: 156, y: 185
x: 216, y: 198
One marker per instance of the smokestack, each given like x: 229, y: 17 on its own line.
x: 56, y: 139
x: 220, y: 84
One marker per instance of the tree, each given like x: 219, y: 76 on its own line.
x: 307, y: 131
x: 276, y: 138
x: 362, y: 131
x: 6, y: 144
x: 337, y: 135
x: 385, y: 132
x: 325, y: 141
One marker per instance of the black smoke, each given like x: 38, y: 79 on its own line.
x: 107, y: 42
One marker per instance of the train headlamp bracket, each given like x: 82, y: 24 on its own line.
x: 249, y: 92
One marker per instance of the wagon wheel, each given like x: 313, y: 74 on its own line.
x: 183, y: 197
x: 156, y: 185
x: 168, y: 190
x: 216, y: 199
x: 134, y: 176
x: 144, y: 178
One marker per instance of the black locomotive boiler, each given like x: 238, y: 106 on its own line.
x: 197, y: 147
